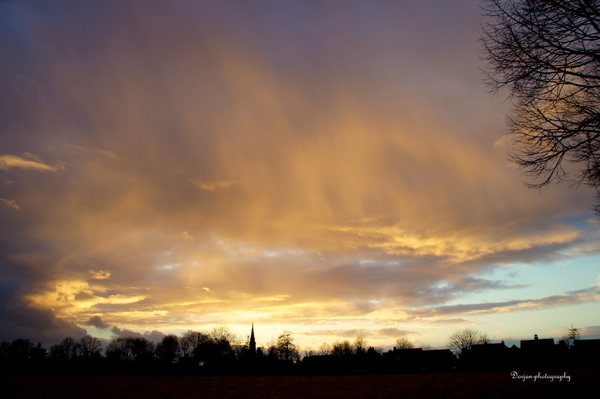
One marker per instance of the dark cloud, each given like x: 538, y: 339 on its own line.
x: 19, y: 320
x: 154, y: 335
x: 96, y: 321
x: 590, y: 332
x: 42, y: 325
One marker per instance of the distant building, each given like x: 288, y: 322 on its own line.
x: 438, y: 360
x: 537, y: 345
x: 585, y: 353
x: 416, y: 359
x: 540, y: 353
x: 488, y: 356
x: 587, y: 345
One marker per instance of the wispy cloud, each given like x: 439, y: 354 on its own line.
x: 83, y: 151
x: 99, y: 274
x: 186, y: 236
x: 10, y: 203
x: 353, y: 333
x: 214, y: 185
x: 586, y: 295
x: 12, y: 161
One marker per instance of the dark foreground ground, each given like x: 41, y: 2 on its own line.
x: 498, y: 384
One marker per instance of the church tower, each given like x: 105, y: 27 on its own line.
x: 252, y: 342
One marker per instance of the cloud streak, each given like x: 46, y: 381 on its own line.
x: 8, y: 162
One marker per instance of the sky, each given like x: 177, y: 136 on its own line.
x: 329, y: 168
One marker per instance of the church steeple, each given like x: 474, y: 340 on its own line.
x: 252, y: 342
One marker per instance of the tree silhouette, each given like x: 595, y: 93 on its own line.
x: 187, y: 343
x: 195, y: 343
x: 284, y: 348
x: 142, y: 349
x: 39, y: 352
x: 308, y: 351
x: 66, y: 350
x: 572, y: 336
x: 324, y: 349
x: 404, y: 343
x: 463, y: 340
x: 342, y: 348
x: 89, y: 347
x: 222, y: 333
x: 546, y: 54
x: 360, y: 345
x: 119, y: 349
x: 168, y: 349
x: 20, y: 349
x: 4, y: 349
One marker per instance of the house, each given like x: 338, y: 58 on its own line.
x: 438, y: 360
x: 488, y: 356
x: 540, y: 353
x: 537, y: 345
x: 585, y: 353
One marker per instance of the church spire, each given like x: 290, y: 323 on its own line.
x: 252, y: 341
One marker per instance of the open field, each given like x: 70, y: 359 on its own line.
x: 435, y: 385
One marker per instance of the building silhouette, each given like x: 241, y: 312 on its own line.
x: 252, y: 344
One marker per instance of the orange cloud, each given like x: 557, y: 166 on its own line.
x: 349, y: 189
x: 12, y: 161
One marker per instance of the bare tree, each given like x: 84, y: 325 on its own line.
x: 404, y: 343
x: 195, y: 342
x: 221, y: 333
x: 360, y: 345
x: 572, y: 336
x: 89, y: 347
x: 66, y: 350
x: 118, y: 349
x: 324, y: 349
x: 546, y: 53
x: 284, y: 348
x: 142, y: 349
x: 187, y: 344
x: 308, y: 351
x: 483, y: 338
x: 463, y: 340
x: 168, y: 348
x: 425, y: 346
x: 342, y: 348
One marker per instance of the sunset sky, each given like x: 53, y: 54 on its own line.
x: 331, y: 168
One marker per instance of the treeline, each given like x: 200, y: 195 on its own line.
x: 220, y: 352
x: 216, y: 352
x: 212, y: 351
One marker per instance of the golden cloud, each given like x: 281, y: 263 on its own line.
x: 317, y: 197
x: 12, y: 161
x: 75, y: 296
x: 99, y: 274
